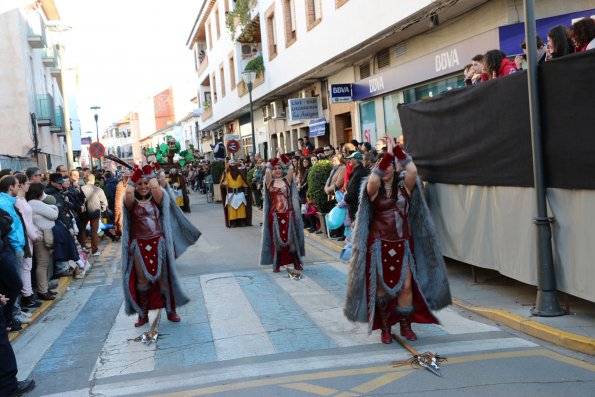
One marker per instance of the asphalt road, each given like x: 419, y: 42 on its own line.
x: 251, y: 332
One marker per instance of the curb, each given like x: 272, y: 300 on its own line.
x: 63, y: 284
x: 519, y: 323
x: 545, y: 332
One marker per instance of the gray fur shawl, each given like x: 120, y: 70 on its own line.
x: 297, y: 230
x: 428, y: 269
x: 179, y: 235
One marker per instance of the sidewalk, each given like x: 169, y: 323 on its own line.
x: 508, y: 302
x: 63, y: 285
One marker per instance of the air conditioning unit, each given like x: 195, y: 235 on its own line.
x: 277, y: 111
x: 266, y: 112
x: 246, y: 50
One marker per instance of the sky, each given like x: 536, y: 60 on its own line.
x: 126, y: 50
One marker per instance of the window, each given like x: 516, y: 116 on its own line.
x: 364, y: 70
x: 217, y: 23
x: 383, y: 58
x: 313, y: 13
x: 367, y: 111
x: 222, y: 76
x: 289, y: 22
x: 271, y: 33
x: 232, y: 72
x: 209, y: 36
x: 392, y: 122
x: 214, y: 88
x: 434, y: 88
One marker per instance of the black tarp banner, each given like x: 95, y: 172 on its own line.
x: 481, y: 135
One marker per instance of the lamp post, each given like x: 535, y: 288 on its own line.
x: 96, y: 117
x: 546, y: 304
x: 249, y: 76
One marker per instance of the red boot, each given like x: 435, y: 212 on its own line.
x: 297, y: 264
x: 405, y: 323
x: 384, y: 317
x: 142, y: 299
x: 173, y: 316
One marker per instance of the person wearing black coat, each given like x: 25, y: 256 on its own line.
x: 358, y: 173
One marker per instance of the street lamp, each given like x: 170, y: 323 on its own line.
x: 249, y: 76
x: 96, y: 117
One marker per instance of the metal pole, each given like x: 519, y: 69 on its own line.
x: 252, y: 119
x: 97, y: 129
x: 547, y: 304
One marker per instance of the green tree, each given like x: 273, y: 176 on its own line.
x: 317, y: 177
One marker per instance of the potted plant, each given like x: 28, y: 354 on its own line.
x: 257, y: 65
x: 240, y: 15
x: 317, y: 177
x: 217, y: 169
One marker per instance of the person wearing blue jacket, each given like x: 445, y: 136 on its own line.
x: 9, y: 187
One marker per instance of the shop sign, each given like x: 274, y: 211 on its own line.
x: 341, y: 93
x: 317, y: 128
x: 445, y: 61
x: 512, y: 35
x: 304, y: 109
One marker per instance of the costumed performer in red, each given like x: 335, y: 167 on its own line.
x: 155, y: 233
x: 397, y: 272
x: 283, y: 230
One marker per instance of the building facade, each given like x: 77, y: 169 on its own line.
x: 383, y: 52
x: 31, y: 86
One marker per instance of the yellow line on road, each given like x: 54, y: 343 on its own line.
x: 380, y: 381
x: 391, y: 374
x: 309, y: 388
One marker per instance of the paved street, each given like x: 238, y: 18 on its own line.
x: 250, y: 332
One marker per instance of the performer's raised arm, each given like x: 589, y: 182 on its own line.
x: 286, y: 163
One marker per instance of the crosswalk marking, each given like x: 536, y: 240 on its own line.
x: 120, y: 355
x: 237, y: 331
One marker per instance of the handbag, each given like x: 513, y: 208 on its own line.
x: 48, y: 238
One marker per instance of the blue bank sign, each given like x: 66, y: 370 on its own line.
x: 317, y: 128
x: 304, y: 109
x: 341, y: 93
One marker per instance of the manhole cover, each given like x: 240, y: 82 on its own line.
x: 230, y: 279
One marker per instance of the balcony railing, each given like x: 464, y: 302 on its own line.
x: 50, y: 56
x: 203, y: 66
x: 207, y: 114
x: 243, y: 88
x: 45, y: 110
x: 58, y: 126
x: 35, y: 29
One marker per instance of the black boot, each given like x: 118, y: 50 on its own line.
x: 276, y: 264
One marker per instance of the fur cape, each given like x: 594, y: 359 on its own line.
x: 179, y: 235
x: 297, y: 230
x: 427, y: 268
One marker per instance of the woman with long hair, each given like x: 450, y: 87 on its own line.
x: 44, y: 218
x: 495, y: 64
x: 582, y: 34
x: 397, y: 273
x: 559, y: 42
x: 303, y: 170
x: 283, y: 232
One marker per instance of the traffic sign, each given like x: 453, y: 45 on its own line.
x: 96, y: 150
x: 233, y: 146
